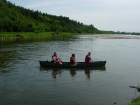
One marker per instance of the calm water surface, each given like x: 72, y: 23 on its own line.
x: 23, y: 82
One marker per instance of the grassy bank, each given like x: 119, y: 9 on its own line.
x: 135, y: 101
x: 26, y: 34
x: 13, y: 35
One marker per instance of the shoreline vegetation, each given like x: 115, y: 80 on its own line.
x: 20, y: 35
x: 135, y: 101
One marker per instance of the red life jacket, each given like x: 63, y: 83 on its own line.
x: 71, y: 60
x: 87, y: 59
x: 56, y: 58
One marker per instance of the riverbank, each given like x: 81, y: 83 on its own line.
x: 20, y: 35
x: 13, y: 35
x: 118, y: 36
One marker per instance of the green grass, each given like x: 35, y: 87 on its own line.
x: 26, y: 34
x: 13, y: 34
x: 135, y: 101
x: 6, y: 36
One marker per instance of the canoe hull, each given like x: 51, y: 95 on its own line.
x: 68, y: 65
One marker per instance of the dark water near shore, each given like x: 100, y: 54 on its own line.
x: 23, y: 82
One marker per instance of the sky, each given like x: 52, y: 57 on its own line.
x: 108, y: 15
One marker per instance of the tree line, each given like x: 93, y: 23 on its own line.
x: 19, y: 19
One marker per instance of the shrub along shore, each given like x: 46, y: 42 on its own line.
x: 135, y: 101
x: 13, y: 35
x: 20, y: 35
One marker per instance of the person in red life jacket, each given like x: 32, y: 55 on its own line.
x: 88, y: 58
x: 73, y: 59
x: 56, y: 59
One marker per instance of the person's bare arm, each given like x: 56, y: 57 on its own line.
x: 74, y: 60
x: 90, y: 58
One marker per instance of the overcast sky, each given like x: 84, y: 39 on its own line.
x: 109, y: 15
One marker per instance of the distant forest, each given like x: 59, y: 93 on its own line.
x: 19, y: 19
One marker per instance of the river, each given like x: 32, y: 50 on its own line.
x: 24, y: 82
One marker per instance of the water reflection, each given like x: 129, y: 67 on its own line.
x: 6, y: 57
x: 73, y: 71
x: 87, y: 71
x: 35, y: 39
x: 56, y: 72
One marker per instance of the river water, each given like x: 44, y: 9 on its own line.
x: 24, y: 82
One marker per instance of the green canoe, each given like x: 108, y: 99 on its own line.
x: 49, y: 64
